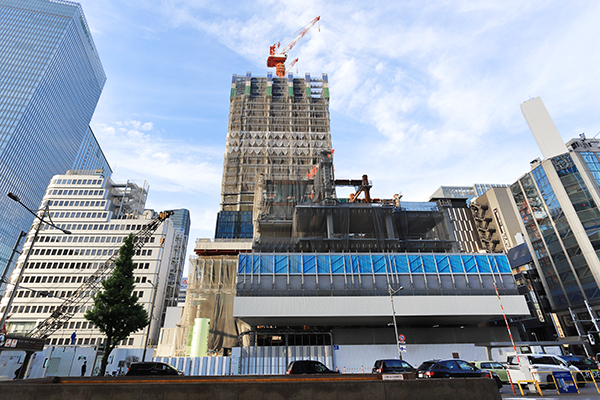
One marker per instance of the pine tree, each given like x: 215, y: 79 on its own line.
x: 116, y: 310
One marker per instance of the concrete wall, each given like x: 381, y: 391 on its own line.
x: 359, y: 387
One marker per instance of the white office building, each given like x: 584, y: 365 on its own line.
x: 100, y: 214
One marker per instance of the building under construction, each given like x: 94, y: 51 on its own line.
x: 277, y: 127
x: 295, y: 271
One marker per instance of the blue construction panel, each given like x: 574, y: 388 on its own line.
x: 483, y: 264
x: 429, y: 264
x: 295, y: 264
x: 281, y: 264
x: 400, y: 263
x: 502, y: 264
x: 443, y: 264
x: 309, y: 264
x: 337, y: 263
x: 352, y: 264
x: 380, y: 263
x: 365, y: 264
x: 416, y: 264
x: 256, y: 264
x: 456, y: 264
x: 371, y: 263
x: 323, y: 264
x: 470, y: 266
x: 266, y: 264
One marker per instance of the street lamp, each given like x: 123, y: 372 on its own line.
x: 392, y: 293
x: 44, y: 213
x: 155, y: 287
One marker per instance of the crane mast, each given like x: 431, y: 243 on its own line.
x: 65, y: 311
x: 277, y: 59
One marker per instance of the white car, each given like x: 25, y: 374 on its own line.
x: 539, y: 367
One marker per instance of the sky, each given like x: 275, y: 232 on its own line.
x: 423, y: 93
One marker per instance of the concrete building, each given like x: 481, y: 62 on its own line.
x: 100, y: 214
x: 51, y: 79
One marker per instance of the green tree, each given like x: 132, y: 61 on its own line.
x: 116, y: 310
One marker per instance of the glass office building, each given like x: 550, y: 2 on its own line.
x: 90, y: 157
x: 558, y: 204
x: 50, y: 81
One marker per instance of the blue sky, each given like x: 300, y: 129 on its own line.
x: 423, y: 93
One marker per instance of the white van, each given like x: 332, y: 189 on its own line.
x: 539, y: 367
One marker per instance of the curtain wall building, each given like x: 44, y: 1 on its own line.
x: 557, y: 202
x: 50, y: 81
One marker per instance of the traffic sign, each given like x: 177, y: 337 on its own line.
x: 403, y: 349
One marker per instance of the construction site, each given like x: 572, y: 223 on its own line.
x: 295, y: 271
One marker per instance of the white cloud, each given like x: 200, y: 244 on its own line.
x: 136, y: 151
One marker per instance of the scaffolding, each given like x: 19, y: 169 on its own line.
x: 210, y: 294
x: 277, y: 127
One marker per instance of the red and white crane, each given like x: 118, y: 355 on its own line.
x: 277, y: 59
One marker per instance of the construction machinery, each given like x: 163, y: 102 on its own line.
x: 277, y: 59
x: 65, y: 311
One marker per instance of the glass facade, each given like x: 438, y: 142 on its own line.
x: 50, y: 81
x: 563, y: 265
x: 91, y: 157
x: 234, y: 225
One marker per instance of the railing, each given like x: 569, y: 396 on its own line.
x: 579, y: 378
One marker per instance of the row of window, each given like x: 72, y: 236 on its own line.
x: 67, y: 279
x: 77, y: 182
x: 76, y: 265
x: 87, y: 341
x: 84, y: 252
x: 85, y: 239
x: 99, y: 227
x: 62, y: 294
x: 61, y: 192
x: 76, y: 203
x: 86, y: 215
x: 52, y: 279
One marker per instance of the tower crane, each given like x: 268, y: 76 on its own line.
x: 277, y: 59
x: 65, y: 311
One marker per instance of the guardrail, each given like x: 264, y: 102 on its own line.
x: 583, y: 373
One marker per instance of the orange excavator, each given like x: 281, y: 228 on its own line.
x: 277, y: 59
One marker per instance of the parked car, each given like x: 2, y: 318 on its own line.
x: 392, y: 366
x: 541, y: 366
x: 152, y: 368
x: 308, y: 367
x: 453, y: 368
x: 584, y: 364
x: 493, y: 366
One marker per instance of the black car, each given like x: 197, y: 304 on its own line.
x: 152, y: 369
x: 391, y: 366
x: 308, y: 367
x: 453, y: 368
x: 583, y: 363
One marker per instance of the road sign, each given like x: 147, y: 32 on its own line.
x: 401, y: 337
x: 403, y: 349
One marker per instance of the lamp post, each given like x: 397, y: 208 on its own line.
x: 44, y: 213
x: 155, y: 287
x: 392, y: 293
